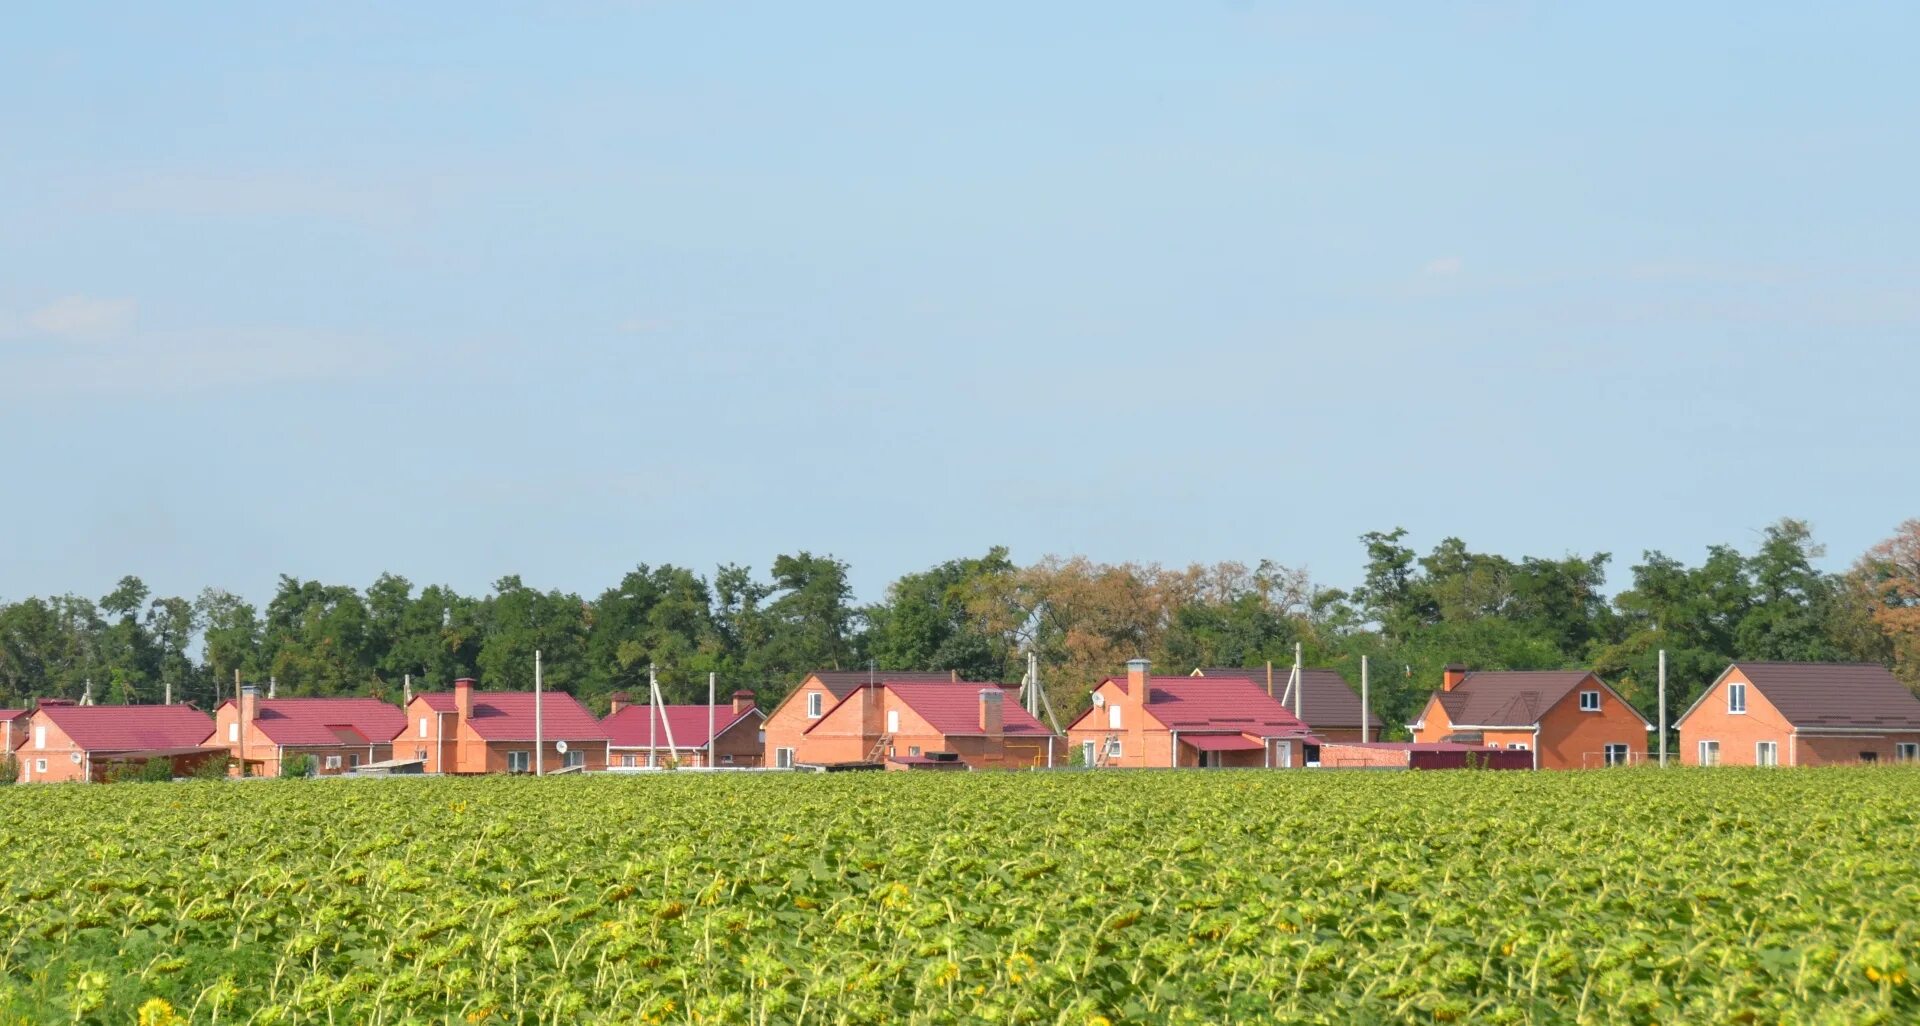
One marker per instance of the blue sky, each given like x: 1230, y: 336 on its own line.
x: 461, y: 290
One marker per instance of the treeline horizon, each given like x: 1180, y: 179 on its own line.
x: 1410, y: 615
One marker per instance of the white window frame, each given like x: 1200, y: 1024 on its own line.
x: 1113, y: 748
x: 893, y: 721
x: 39, y: 765
x: 1113, y: 717
x: 1771, y: 750
x: 233, y: 732
x: 1517, y: 746
x: 1589, y: 706
x: 574, y: 757
x: 332, y: 762
x: 1607, y: 750
x: 1089, y: 752
x: 420, y: 752
x: 40, y: 735
x: 1739, y: 708
x: 353, y: 760
x: 726, y: 759
x: 913, y: 750
x: 1708, y: 753
x: 783, y: 758
x: 629, y: 761
x: 523, y: 758
x: 423, y: 726
x: 816, y: 706
x: 1906, y: 751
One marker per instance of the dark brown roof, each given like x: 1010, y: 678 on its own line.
x: 842, y: 682
x: 1508, y: 698
x: 1327, y: 701
x: 1857, y: 695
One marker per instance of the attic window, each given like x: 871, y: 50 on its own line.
x: 813, y: 705
x: 1736, y: 698
x: 1589, y: 701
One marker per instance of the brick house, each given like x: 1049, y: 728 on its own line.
x: 634, y: 742
x: 472, y: 731
x: 929, y: 724
x: 1801, y: 714
x: 1568, y: 719
x: 341, y: 734
x: 13, y: 729
x: 816, y: 693
x: 67, y: 742
x: 1329, y: 706
x: 1140, y: 721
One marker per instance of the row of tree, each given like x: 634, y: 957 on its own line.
x: 1410, y: 615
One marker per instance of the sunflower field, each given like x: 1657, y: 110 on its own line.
x: 1621, y: 896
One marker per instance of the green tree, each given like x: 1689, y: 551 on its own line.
x: 929, y: 621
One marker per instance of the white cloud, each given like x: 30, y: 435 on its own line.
x: 83, y: 318
x: 1441, y: 267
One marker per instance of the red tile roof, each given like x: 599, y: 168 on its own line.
x: 628, y: 728
x: 841, y: 683
x: 1508, y: 698
x: 1222, y: 742
x: 1327, y: 701
x: 1219, y: 704
x: 954, y: 708
x: 129, y: 728
x: 508, y: 715
x: 11, y: 714
x: 297, y: 722
x: 1851, y: 695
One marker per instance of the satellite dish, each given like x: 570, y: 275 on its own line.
x: 75, y: 756
x: 1099, y: 700
x: 560, y: 746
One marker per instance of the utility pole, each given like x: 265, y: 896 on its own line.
x: 653, y: 719
x: 1364, y: 718
x: 539, y: 726
x: 1297, y: 682
x: 1663, y: 707
x: 711, y: 677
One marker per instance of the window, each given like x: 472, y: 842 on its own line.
x: 726, y: 760
x: 353, y: 762
x: 1113, y: 717
x: 629, y: 761
x: 813, y: 705
x: 333, y: 761
x: 783, y: 758
x: 893, y: 721
x: 1086, y: 752
x: 423, y: 726
x: 40, y: 736
x: 39, y: 765
x: 1589, y: 701
x: 913, y: 749
x: 1906, y: 751
x: 1869, y: 756
x: 1616, y: 755
x: 1113, y: 748
x: 575, y: 758
x: 519, y: 762
x: 1736, y: 697
x: 1517, y: 746
x: 233, y: 733
x: 1709, y: 753
x: 1284, y: 752
x: 420, y: 753
x: 1766, y: 753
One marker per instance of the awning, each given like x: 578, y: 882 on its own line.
x: 158, y: 753
x: 1221, y: 742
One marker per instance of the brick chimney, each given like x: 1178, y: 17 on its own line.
x: 1451, y: 676
x: 1134, y: 716
x: 617, y: 701
x: 249, y: 704
x: 462, y: 701
x: 992, y: 715
x: 742, y: 702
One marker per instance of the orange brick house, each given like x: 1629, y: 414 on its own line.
x: 1801, y: 714
x: 1568, y: 719
x: 920, y: 724
x: 1328, y: 704
x: 818, y: 692
x: 1141, y: 721
x: 340, y: 734
x: 472, y: 731
x: 67, y: 742
x: 678, y: 734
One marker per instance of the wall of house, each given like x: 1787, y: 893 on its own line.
x: 788, y: 723
x: 1571, y: 738
x: 1815, y: 749
x: 56, y: 754
x: 1352, y: 756
x: 481, y: 756
x: 443, y: 744
x: 1738, y: 733
x: 1342, y: 734
x: 1434, y: 726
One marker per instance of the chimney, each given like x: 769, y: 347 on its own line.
x: 463, y: 700
x: 249, y: 704
x: 742, y: 702
x: 617, y: 701
x: 1134, y: 717
x: 1451, y: 676
x: 992, y: 715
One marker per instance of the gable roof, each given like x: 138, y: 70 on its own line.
x: 843, y: 682
x: 1850, y: 695
x: 130, y: 728
x: 628, y: 728
x: 1513, y: 698
x: 1327, y: 701
x: 508, y: 715
x: 954, y: 708
x: 1233, y: 705
x: 12, y: 714
x: 327, y: 721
